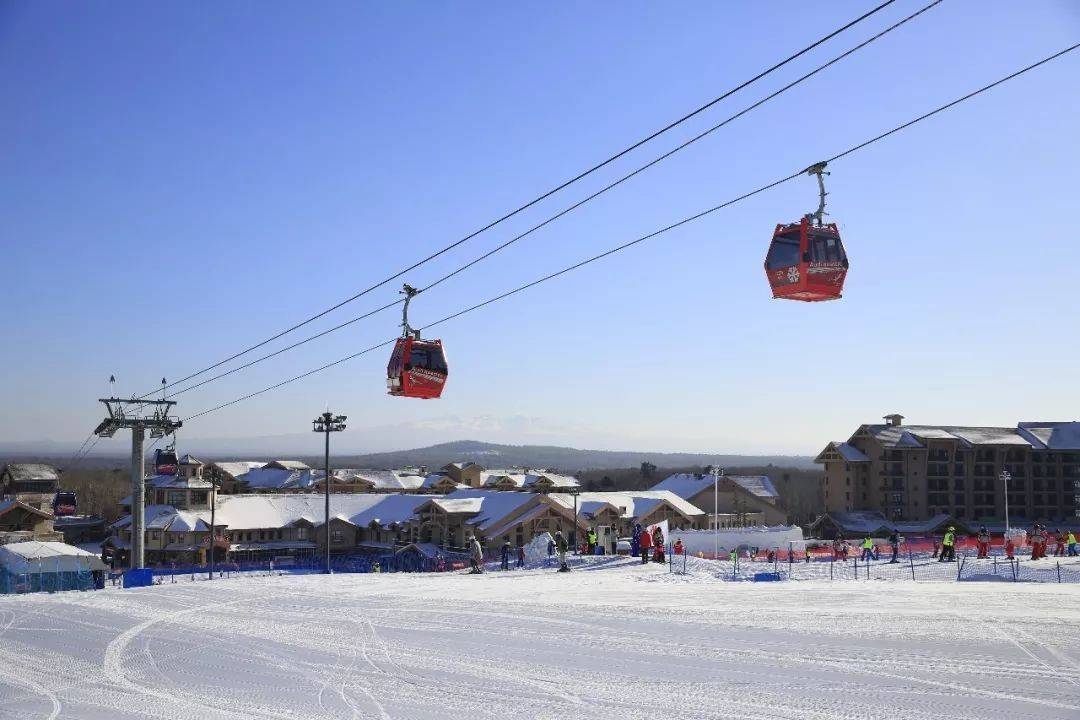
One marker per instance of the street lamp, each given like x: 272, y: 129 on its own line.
x: 1006, y: 476
x: 716, y: 473
x: 326, y: 424
x: 573, y: 528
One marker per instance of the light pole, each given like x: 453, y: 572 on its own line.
x: 716, y: 473
x: 573, y: 528
x: 326, y: 424
x: 1005, y: 477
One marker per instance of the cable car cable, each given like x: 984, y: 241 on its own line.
x: 643, y: 238
x: 539, y: 198
x: 572, y: 207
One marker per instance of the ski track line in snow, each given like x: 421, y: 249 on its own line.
x: 1058, y: 654
x: 1057, y: 673
x: 113, y: 668
x: 499, y: 672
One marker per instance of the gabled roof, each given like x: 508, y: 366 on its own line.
x: 7, y: 506
x: 1052, y: 435
x: 847, y: 451
x: 34, y: 556
x: 688, y: 485
x: 914, y: 436
x: 238, y: 467
x: 859, y: 521
x: 757, y: 485
x: 432, y: 480
x: 32, y: 471
x: 631, y: 503
x: 190, y: 460
x: 287, y: 465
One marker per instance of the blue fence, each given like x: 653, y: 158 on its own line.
x: 44, y: 580
x: 390, y: 562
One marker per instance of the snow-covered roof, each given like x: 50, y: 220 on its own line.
x: 917, y: 526
x: 384, y: 479
x: 390, y: 509
x: 187, y: 521
x: 163, y: 482
x: 433, y: 480
x: 526, y: 479
x: 851, y: 453
x: 631, y: 503
x: 287, y: 465
x: 758, y: 485
x: 236, y: 468
x: 459, y: 505
x: 688, y: 485
x: 263, y: 511
x: 915, y: 435
x: 858, y: 521
x: 276, y: 478
x: 190, y: 460
x: 34, y: 556
x: 32, y: 471
x: 1052, y: 435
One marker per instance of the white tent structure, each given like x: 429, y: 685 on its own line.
x: 46, y: 566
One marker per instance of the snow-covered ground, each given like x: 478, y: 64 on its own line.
x: 612, y: 639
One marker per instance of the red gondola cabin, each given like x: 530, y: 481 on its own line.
x: 806, y: 262
x: 417, y: 368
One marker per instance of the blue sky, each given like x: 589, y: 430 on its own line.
x: 180, y: 181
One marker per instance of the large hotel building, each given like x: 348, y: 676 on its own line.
x: 914, y: 472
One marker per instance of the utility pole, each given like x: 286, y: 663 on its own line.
x: 213, y: 514
x: 716, y: 473
x: 573, y: 528
x: 159, y: 424
x: 326, y: 424
x: 1006, y: 476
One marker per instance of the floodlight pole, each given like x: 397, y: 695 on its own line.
x: 326, y: 424
x: 1005, y: 477
x: 716, y: 473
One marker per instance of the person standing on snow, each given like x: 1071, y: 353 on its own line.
x: 658, y: 544
x: 894, y: 544
x: 948, y: 545
x: 520, y: 555
x: 1036, y: 537
x: 592, y: 541
x: 867, y: 548
x: 1059, y: 543
x: 984, y: 541
x: 645, y: 541
x: 1070, y: 542
x: 504, y: 553
x: 476, y: 556
x: 561, y: 545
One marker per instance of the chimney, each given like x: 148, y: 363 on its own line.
x: 896, y: 419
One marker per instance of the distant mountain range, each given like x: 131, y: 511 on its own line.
x: 435, y: 456
x: 562, y: 458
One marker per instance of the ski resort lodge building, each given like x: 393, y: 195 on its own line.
x: 26, y: 494
x: 738, y: 500
x: 445, y: 509
x: 919, y: 472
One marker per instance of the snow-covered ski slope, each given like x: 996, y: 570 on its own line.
x: 608, y: 640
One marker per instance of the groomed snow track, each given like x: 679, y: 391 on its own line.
x: 621, y: 641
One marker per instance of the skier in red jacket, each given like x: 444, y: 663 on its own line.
x: 646, y: 545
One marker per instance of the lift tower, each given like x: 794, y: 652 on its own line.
x: 158, y: 424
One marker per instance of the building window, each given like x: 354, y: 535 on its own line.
x: 337, y: 537
x: 301, y: 533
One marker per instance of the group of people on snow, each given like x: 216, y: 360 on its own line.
x: 647, y: 544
